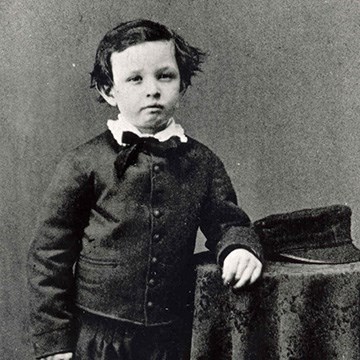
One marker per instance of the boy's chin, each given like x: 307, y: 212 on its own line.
x: 153, y: 127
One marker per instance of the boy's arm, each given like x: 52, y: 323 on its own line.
x: 53, y: 252
x: 228, y: 228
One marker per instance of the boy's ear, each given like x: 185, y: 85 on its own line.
x: 107, y: 94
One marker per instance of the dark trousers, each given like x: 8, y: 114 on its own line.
x: 101, y: 338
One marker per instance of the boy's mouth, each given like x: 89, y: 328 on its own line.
x: 153, y: 107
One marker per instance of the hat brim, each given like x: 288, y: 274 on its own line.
x: 342, y: 254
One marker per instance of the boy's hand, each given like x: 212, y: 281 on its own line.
x: 241, y: 267
x: 62, y: 356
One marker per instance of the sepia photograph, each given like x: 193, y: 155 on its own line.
x: 180, y: 180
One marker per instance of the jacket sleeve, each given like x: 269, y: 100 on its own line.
x: 52, y: 255
x: 225, y: 225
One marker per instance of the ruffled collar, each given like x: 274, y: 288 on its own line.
x: 117, y: 127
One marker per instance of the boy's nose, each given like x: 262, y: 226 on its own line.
x: 152, y: 89
x: 155, y: 95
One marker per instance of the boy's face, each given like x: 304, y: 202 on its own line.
x: 146, y: 86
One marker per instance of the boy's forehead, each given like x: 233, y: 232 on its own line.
x: 150, y: 53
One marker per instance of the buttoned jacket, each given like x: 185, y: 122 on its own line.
x: 120, y: 246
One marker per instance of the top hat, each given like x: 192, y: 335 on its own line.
x: 319, y: 235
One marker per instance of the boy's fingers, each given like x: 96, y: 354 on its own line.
x: 229, y: 270
x: 242, y: 266
x: 228, y: 275
x: 256, y: 274
x: 245, y: 276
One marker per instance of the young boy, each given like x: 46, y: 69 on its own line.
x: 118, y: 227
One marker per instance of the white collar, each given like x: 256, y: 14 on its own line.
x: 117, y: 127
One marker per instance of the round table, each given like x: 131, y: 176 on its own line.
x: 295, y: 311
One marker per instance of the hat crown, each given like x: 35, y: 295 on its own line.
x: 305, y: 229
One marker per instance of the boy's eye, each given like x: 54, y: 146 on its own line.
x: 167, y: 76
x: 135, y: 78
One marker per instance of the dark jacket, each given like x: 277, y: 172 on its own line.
x: 119, y: 247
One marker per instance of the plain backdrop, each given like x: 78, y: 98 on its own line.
x: 278, y: 101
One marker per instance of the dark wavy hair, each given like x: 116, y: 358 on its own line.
x: 135, y: 32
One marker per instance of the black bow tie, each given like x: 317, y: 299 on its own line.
x: 136, y: 144
x: 149, y: 143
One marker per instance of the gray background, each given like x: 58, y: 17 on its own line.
x: 278, y: 102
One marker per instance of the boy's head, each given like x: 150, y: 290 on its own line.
x: 135, y: 32
x: 142, y: 68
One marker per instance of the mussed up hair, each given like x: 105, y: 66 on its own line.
x: 135, y: 32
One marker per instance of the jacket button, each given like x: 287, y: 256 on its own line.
x: 156, y: 169
x: 150, y: 304
x: 156, y: 237
x: 154, y: 260
x: 152, y: 282
x: 157, y: 213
